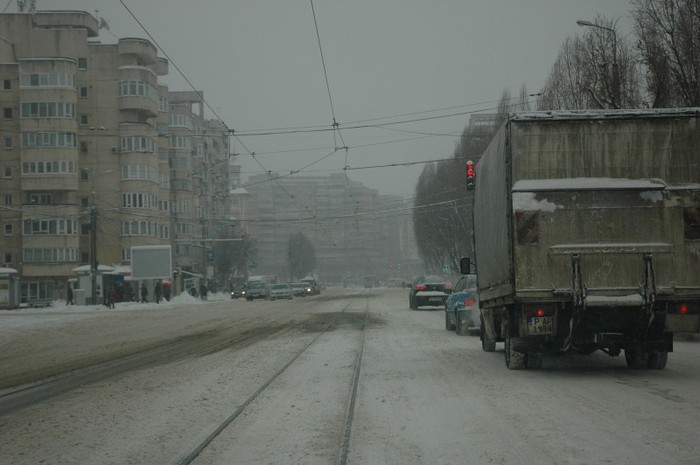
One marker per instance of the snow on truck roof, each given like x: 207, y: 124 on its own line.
x: 532, y: 185
x: 604, y: 114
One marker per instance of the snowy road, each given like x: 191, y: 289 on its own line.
x: 235, y: 382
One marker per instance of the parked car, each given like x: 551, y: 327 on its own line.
x: 462, y: 306
x: 428, y: 291
x: 257, y: 290
x: 280, y: 291
x: 298, y: 289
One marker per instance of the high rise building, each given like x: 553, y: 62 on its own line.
x: 98, y: 155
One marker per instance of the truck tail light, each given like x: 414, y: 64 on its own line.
x: 469, y: 302
x: 546, y: 309
x: 684, y: 308
x: 421, y: 287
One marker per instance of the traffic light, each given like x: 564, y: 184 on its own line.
x: 470, y: 175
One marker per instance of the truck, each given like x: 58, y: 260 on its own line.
x: 587, y: 234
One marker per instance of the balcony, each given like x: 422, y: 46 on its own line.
x: 67, y: 20
x: 145, y: 52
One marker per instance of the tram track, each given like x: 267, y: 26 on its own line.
x: 198, y: 344
x: 342, y: 319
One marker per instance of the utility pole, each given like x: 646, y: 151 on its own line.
x: 93, y: 245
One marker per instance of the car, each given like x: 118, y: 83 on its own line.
x: 462, y: 307
x: 298, y: 289
x: 280, y: 291
x: 428, y: 291
x: 312, y: 286
x: 238, y: 292
x: 257, y: 290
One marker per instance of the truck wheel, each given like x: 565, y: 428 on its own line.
x: 657, y: 360
x: 448, y: 326
x: 534, y: 360
x: 514, y: 360
x: 487, y: 343
x: 637, y: 358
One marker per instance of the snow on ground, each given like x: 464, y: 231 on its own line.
x: 23, y: 317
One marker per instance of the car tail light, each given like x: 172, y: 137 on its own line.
x: 684, y: 308
x: 448, y: 286
x: 546, y: 309
x: 421, y: 287
x: 470, y: 302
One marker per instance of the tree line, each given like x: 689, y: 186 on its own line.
x: 657, y: 65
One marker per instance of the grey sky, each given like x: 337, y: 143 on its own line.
x: 259, y: 65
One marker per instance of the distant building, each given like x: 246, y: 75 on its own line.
x: 355, y: 231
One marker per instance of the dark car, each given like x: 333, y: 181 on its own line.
x: 429, y: 291
x: 238, y: 292
x: 312, y: 286
x: 462, y: 306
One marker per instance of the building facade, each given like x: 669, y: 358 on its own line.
x: 354, y: 231
x: 98, y: 155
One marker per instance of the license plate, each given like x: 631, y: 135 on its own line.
x: 539, y: 325
x: 435, y: 299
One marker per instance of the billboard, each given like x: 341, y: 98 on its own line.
x: 151, y: 262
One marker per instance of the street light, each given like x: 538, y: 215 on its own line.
x: 615, y: 69
x: 93, y: 236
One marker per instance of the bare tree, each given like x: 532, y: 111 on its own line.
x: 595, y: 70
x: 442, y: 218
x: 669, y: 43
x: 301, y: 256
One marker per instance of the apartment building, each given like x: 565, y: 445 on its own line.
x: 355, y: 231
x: 98, y: 155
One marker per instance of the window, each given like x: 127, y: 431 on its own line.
x: 48, y: 167
x: 47, y: 110
x: 8, y: 199
x: 83, y: 92
x: 84, y: 202
x: 40, y: 199
x: 8, y: 171
x: 82, y: 63
x: 85, y: 229
x: 84, y: 174
x: 47, y: 80
x: 8, y: 257
x: 8, y: 229
x: 6, y: 84
x: 49, y: 227
x: 50, y: 255
x: 83, y: 147
x: 48, y: 139
x: 83, y: 120
x: 7, y: 112
x: 8, y: 142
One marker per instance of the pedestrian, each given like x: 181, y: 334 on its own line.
x: 69, y: 295
x: 144, y: 294
x: 203, y: 290
x: 157, y: 291
x: 112, y: 297
x: 193, y: 291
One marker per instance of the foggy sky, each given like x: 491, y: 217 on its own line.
x: 259, y: 65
